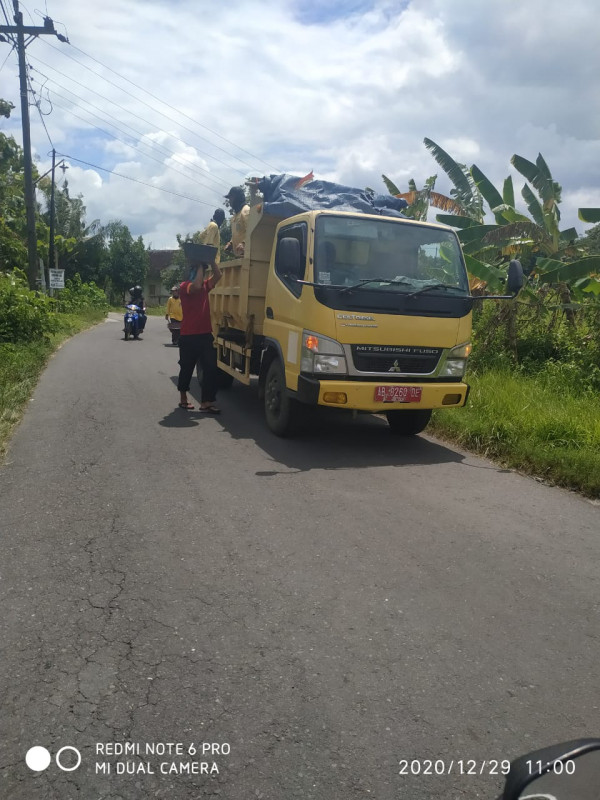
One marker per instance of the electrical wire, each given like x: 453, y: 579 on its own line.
x: 37, y: 104
x: 214, y: 133
x: 128, y: 111
x: 135, y: 180
x: 8, y: 56
x: 129, y: 144
x: 136, y: 97
x: 108, y: 118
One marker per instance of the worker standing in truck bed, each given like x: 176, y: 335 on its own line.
x: 211, y: 235
x: 239, y: 220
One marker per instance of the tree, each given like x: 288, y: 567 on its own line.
x: 13, y: 222
x: 419, y: 200
x: 465, y: 192
x: 127, y: 260
x: 79, y: 247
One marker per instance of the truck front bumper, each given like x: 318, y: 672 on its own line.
x: 360, y: 395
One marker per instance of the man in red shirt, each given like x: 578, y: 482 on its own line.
x: 196, y: 339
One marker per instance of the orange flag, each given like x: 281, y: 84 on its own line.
x: 304, y: 180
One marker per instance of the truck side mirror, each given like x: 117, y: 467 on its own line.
x: 514, y: 283
x: 289, y: 257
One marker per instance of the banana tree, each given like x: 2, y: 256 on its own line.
x: 420, y: 200
x: 465, y: 192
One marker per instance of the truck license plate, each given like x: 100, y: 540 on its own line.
x: 398, y: 394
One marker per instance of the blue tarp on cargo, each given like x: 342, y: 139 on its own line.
x: 283, y: 197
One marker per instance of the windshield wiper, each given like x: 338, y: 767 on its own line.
x: 431, y: 286
x: 365, y: 281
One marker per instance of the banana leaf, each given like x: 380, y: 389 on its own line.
x: 476, y: 232
x: 509, y: 213
x: 549, y: 270
x: 391, y: 187
x: 589, y: 214
x: 452, y: 169
x: 456, y: 221
x: 534, y: 206
x: 508, y: 192
x: 489, y: 192
x: 485, y: 272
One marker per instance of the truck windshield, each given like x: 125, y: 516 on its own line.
x: 354, y: 254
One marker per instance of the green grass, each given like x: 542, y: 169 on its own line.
x: 540, y: 425
x: 21, y: 365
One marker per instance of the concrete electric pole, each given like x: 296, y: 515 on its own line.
x: 30, y: 30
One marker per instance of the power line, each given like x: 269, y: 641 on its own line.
x: 7, y: 57
x: 37, y: 104
x: 108, y: 117
x: 136, y: 97
x: 135, y: 180
x: 147, y: 122
x: 218, y: 135
x: 129, y: 144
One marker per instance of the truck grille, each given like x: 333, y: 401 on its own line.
x: 395, y: 358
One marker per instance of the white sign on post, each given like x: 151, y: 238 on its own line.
x: 57, y: 278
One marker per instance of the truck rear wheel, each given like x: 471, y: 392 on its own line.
x: 283, y: 413
x: 408, y: 423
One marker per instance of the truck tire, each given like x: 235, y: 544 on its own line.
x: 408, y: 423
x: 282, y: 413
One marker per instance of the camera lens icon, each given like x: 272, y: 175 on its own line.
x: 38, y: 758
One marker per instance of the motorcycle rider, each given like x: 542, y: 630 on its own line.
x: 136, y: 297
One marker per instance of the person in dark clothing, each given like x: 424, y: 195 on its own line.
x: 136, y: 297
x: 196, y: 339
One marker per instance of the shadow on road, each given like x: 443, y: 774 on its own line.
x: 331, y: 439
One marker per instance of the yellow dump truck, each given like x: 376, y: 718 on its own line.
x: 350, y: 310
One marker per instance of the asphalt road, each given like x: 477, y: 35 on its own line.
x: 310, y: 614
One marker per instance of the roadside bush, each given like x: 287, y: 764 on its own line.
x: 543, y: 343
x: 78, y: 295
x: 24, y: 315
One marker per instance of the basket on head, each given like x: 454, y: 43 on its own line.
x: 199, y: 253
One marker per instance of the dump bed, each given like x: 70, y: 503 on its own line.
x: 238, y: 301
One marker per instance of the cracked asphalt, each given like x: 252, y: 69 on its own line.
x: 314, y: 611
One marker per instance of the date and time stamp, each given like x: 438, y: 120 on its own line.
x: 471, y: 766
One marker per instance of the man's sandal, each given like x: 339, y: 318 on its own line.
x: 210, y: 410
x: 186, y: 406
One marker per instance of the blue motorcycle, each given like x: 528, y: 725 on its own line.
x: 133, y: 321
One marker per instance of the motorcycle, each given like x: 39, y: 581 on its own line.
x: 567, y: 771
x: 132, y: 321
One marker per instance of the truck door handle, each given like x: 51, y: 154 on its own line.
x: 269, y: 313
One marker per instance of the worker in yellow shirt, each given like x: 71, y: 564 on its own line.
x: 174, y: 315
x: 239, y: 221
x: 212, y: 233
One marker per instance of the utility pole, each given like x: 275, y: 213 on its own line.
x: 51, y: 249
x: 31, y: 30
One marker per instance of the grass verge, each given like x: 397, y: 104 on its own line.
x: 539, y: 425
x: 21, y: 365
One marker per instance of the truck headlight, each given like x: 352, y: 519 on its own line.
x: 322, y: 355
x: 456, y: 361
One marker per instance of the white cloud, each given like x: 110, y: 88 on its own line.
x: 350, y: 97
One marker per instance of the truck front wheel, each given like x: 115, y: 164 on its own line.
x: 281, y: 411
x: 408, y: 423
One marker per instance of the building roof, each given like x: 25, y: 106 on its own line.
x: 159, y: 260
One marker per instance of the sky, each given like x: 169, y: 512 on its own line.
x: 178, y: 100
